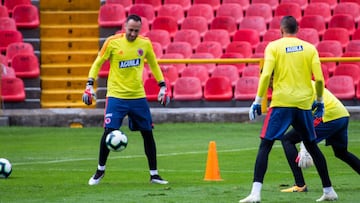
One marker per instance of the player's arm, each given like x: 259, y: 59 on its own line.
x: 319, y: 86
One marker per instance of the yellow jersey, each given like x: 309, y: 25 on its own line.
x: 126, y: 65
x: 292, y: 62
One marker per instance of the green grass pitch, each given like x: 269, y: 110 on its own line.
x: 54, y: 165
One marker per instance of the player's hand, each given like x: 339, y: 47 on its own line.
x: 319, y: 109
x: 304, y: 158
x: 163, y: 98
x: 89, y: 93
x: 255, y: 108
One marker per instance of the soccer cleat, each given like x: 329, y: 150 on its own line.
x: 251, y: 199
x: 331, y: 196
x: 158, y: 180
x: 95, y: 179
x: 296, y: 188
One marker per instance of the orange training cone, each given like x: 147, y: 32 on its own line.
x: 212, y: 172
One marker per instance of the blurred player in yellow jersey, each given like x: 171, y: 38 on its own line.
x: 125, y: 91
x: 333, y: 128
x: 292, y: 63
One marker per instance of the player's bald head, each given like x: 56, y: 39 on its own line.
x: 289, y: 25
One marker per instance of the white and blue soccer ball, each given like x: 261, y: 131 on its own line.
x: 116, y: 141
x: 5, y: 168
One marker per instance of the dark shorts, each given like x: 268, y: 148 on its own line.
x: 137, y: 110
x: 334, y: 132
x: 278, y: 120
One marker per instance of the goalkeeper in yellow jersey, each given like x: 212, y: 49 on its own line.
x: 292, y: 63
x: 333, y: 128
x: 125, y: 91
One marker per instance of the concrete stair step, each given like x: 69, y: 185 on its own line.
x: 69, y: 44
x: 69, y: 31
x: 72, y: 57
x: 69, y: 5
x: 69, y: 17
x: 65, y: 70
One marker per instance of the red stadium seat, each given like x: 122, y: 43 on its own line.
x: 203, y: 10
x: 248, y: 35
x: 349, y: 8
x: 229, y: 71
x: 330, y: 65
x: 218, y: 89
x: 6, y: 72
x: 183, y: 48
x: 356, y: 34
x: 241, y: 47
x: 331, y: 3
x: 271, y: 35
x: 213, y: 3
x: 234, y: 55
x: 351, y: 70
x: 285, y: 9
x: 180, y: 67
x: 275, y: 22
x: 26, y: 65
x: 158, y: 49
x: 170, y: 72
x: 254, y: 22
x: 337, y: 33
x: 17, y: 48
x: 9, y: 36
x: 316, y: 22
x: 351, y: 54
x: 111, y: 15
x: 195, y: 22
x: 231, y: 9
x: 310, y: 35
x: 261, y: 47
x: 218, y: 35
x: 125, y: 3
x: 260, y: 9
x: 243, y: 3
x: 198, y: 71
x: 209, y: 66
x: 104, y: 71
x: 302, y: 3
x: 10, y: 4
x: 246, y: 88
x: 26, y: 16
x: 165, y: 23
x: 320, y: 9
x: 174, y: 10
x: 152, y: 89
x: 224, y: 22
x: 251, y: 70
x: 12, y: 89
x: 186, y: 4
x: 342, y: 86
x: 3, y: 11
x: 325, y: 71
x: 156, y: 4
x: 344, y: 21
x: 7, y: 23
x: 353, y: 46
x: 188, y: 35
x: 187, y: 89
x: 212, y: 47
x: 272, y: 3
x: 357, y: 91
x: 331, y: 46
x: 144, y: 10
x: 160, y: 36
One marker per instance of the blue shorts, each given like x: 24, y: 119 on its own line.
x: 278, y: 120
x: 334, y: 132
x: 137, y: 110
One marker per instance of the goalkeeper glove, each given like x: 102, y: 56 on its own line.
x: 163, y: 97
x: 255, y: 108
x: 89, y: 93
x: 304, y: 159
x: 318, y: 108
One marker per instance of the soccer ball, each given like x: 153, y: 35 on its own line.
x: 5, y: 168
x: 116, y: 141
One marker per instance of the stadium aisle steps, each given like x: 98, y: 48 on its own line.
x: 69, y: 44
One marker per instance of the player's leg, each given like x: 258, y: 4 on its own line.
x: 140, y: 120
x: 289, y: 142
x: 112, y: 121
x: 275, y: 125
x: 304, y: 125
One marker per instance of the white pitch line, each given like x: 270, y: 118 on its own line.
x: 131, y: 156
